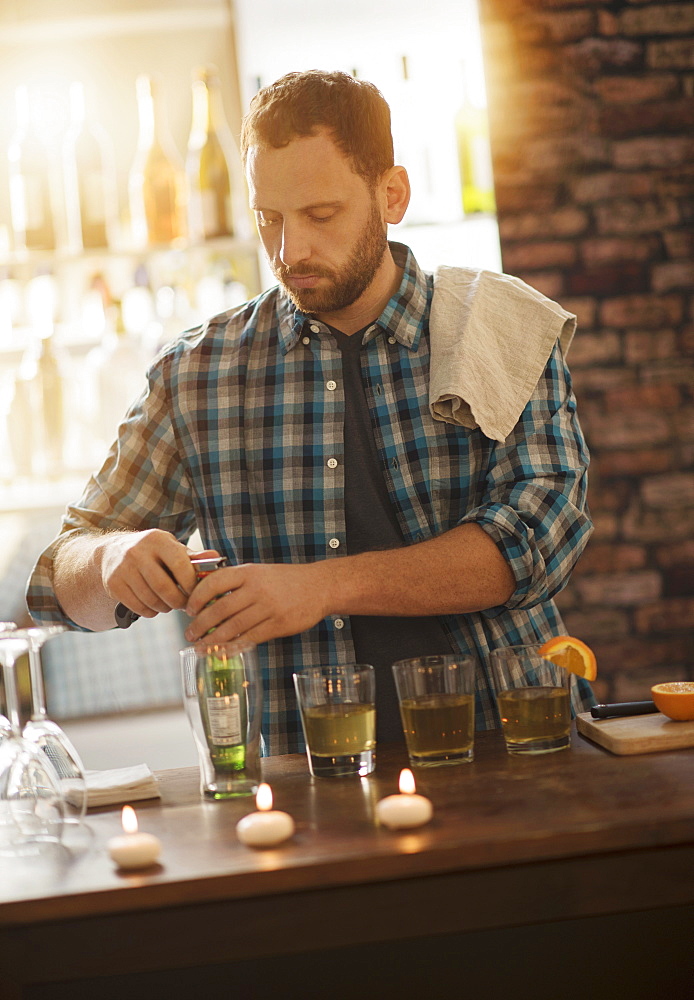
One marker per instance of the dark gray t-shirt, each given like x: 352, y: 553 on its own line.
x: 371, y: 524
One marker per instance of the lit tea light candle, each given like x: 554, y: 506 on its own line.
x: 133, y: 849
x: 400, y: 812
x: 267, y: 827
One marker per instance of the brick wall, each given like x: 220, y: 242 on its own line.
x: 592, y: 124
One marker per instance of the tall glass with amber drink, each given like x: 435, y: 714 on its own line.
x: 533, y: 697
x: 338, y: 716
x: 437, y: 708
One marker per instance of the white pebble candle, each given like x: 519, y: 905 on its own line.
x: 133, y: 849
x: 267, y: 827
x: 406, y: 810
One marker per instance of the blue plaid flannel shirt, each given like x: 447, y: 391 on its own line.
x: 233, y: 434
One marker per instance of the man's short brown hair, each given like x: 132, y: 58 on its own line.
x: 353, y: 111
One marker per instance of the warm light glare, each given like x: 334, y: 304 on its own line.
x: 263, y: 798
x: 129, y: 819
x: 407, y: 785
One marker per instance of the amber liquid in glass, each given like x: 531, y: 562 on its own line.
x: 439, y: 728
x: 338, y: 730
x: 535, y: 719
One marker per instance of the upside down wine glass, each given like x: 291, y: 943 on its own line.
x: 31, y: 803
x: 48, y: 735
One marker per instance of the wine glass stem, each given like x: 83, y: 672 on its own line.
x: 11, y: 696
x: 38, y: 694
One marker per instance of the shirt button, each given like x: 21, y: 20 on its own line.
x: 332, y: 463
x: 314, y: 329
x: 331, y: 385
x: 339, y: 623
x: 334, y: 543
x: 391, y: 340
x: 305, y: 340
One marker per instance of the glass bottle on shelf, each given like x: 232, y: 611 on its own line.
x: 409, y: 116
x: 50, y: 374
x: 474, y: 157
x: 209, y: 161
x: 157, y: 182
x: 89, y: 173
x: 37, y: 411
x: 115, y: 368
x: 31, y: 207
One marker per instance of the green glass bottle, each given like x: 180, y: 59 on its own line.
x: 223, y: 705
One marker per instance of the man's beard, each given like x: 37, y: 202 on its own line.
x: 346, y: 288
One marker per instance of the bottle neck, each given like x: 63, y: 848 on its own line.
x: 203, y: 120
x: 151, y: 115
x: 145, y: 113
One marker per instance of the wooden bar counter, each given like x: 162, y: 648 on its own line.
x: 566, y: 875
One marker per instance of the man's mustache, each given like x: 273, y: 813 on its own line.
x: 301, y: 271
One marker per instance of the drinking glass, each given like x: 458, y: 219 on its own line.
x: 31, y: 802
x: 47, y: 734
x: 437, y: 708
x: 338, y: 715
x: 533, y: 698
x: 222, y: 695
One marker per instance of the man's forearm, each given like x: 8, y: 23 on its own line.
x: 78, y: 585
x: 458, y: 572
x: 149, y: 571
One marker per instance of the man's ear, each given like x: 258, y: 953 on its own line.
x: 395, y: 185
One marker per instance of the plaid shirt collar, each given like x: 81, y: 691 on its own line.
x: 402, y: 317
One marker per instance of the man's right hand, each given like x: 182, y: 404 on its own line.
x: 150, y: 572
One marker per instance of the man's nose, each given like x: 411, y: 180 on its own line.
x: 295, y: 245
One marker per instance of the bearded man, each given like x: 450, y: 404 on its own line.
x: 295, y: 434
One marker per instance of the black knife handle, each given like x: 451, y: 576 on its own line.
x: 623, y: 708
x: 124, y: 616
x: 203, y: 565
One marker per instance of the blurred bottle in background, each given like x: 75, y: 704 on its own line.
x: 37, y: 413
x: 157, y: 182
x: 209, y: 167
x: 115, y: 368
x: 31, y: 203
x: 474, y: 157
x: 89, y: 174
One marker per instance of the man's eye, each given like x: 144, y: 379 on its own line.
x: 321, y: 218
x: 264, y: 220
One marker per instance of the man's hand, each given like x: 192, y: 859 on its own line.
x: 148, y: 571
x: 455, y: 573
x: 257, y: 601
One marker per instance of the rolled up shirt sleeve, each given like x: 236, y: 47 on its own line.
x: 142, y: 484
x: 535, y: 507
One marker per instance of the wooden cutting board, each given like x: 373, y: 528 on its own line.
x: 637, y: 733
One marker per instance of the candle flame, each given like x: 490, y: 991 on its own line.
x: 407, y: 785
x: 129, y: 819
x: 263, y: 798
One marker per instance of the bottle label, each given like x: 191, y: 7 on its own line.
x: 28, y: 201
x: 224, y: 716
x: 93, y: 198
x: 216, y: 214
x: 481, y: 157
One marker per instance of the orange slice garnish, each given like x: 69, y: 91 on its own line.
x: 571, y: 654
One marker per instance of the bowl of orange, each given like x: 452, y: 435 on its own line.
x: 675, y: 699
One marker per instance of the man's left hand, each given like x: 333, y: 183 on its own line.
x: 257, y: 602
